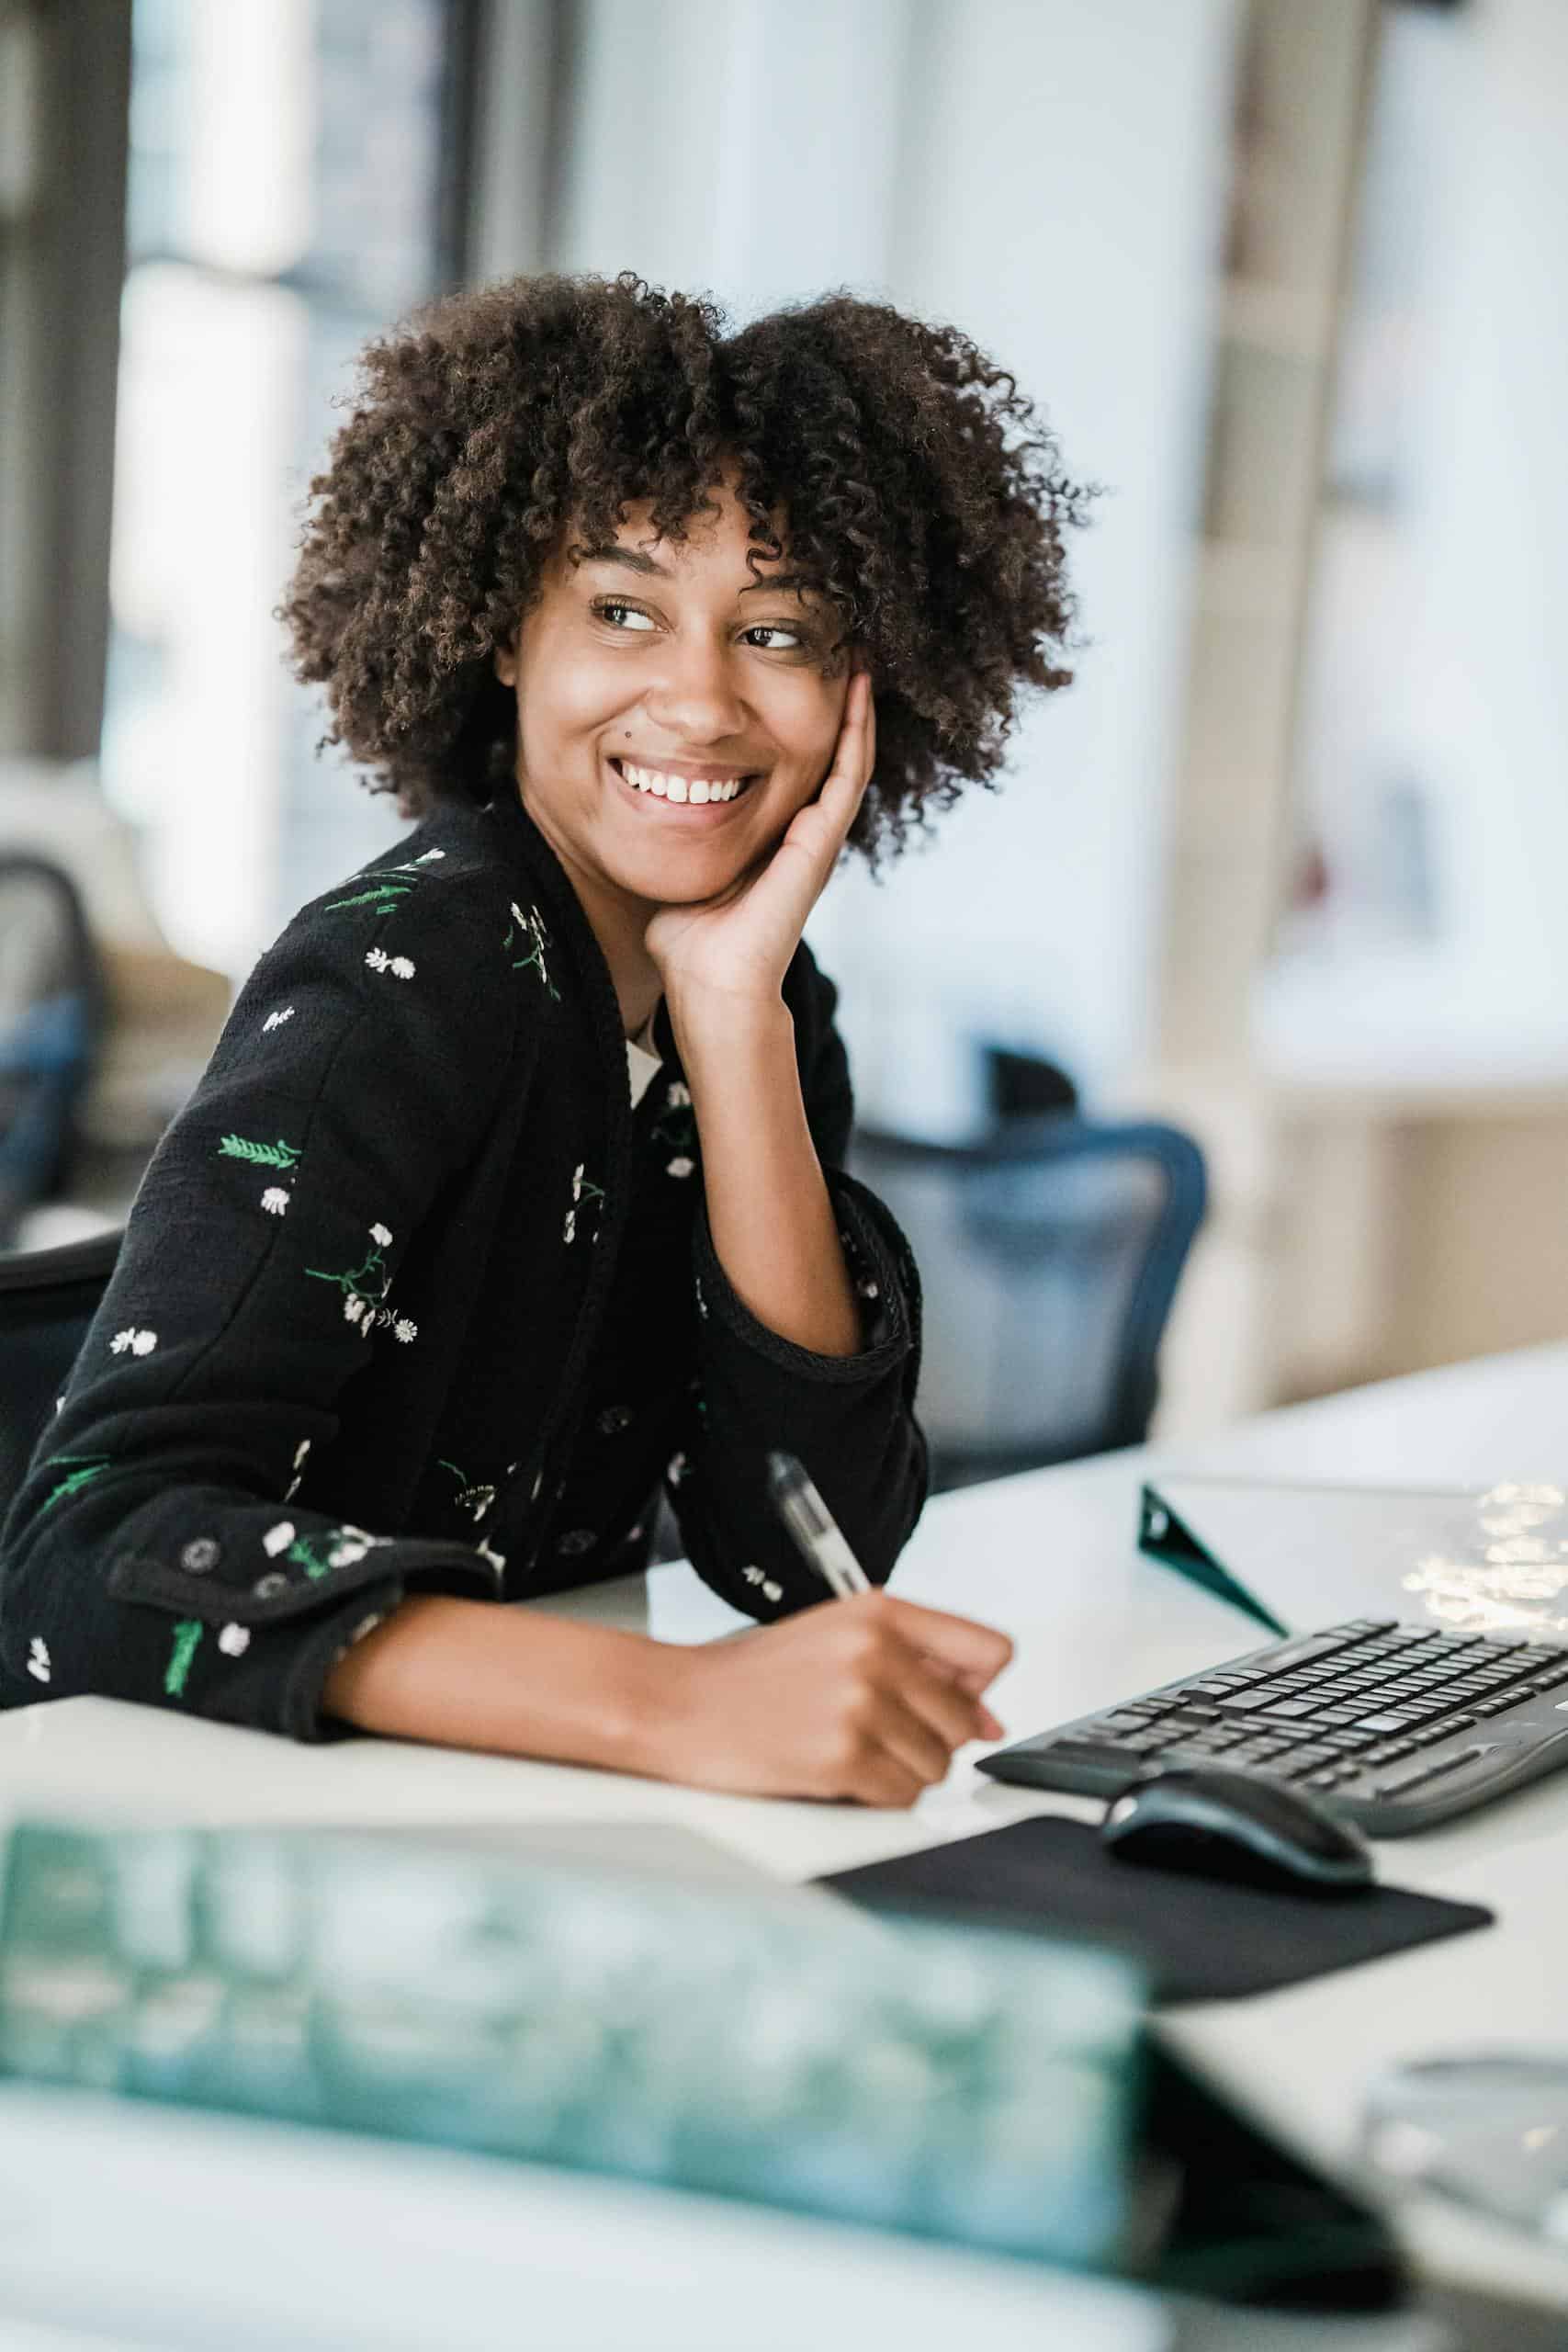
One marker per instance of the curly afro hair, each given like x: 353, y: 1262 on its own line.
x: 920, y: 496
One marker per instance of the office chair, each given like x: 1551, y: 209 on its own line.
x: 1049, y: 1254
x: 48, y: 1297
x: 1023, y: 1086
x: 51, y: 1020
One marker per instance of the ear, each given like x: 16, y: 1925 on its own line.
x: 505, y: 661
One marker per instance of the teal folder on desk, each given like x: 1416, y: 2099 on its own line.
x: 1298, y: 1555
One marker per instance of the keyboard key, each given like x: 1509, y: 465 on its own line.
x: 1429, y: 1771
x: 1383, y: 1723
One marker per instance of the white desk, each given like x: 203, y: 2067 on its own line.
x: 1050, y: 1558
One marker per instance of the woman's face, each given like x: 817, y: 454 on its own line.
x: 673, y: 714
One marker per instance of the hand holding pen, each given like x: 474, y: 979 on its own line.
x: 822, y: 1545
x: 864, y: 1699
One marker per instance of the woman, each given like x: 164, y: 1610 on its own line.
x: 513, y: 1184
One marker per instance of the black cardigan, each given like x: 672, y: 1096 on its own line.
x: 411, y: 1299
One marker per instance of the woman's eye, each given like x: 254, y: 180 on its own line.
x: 631, y: 620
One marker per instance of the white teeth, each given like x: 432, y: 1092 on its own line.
x: 698, y: 790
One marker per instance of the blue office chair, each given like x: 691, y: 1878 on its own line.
x: 51, y: 1022
x: 48, y: 1297
x: 1049, y: 1254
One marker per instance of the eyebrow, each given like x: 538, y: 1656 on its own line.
x: 610, y: 551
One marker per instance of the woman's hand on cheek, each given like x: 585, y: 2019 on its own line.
x: 738, y: 946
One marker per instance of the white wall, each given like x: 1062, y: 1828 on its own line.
x: 1485, y: 701
x: 1049, y: 177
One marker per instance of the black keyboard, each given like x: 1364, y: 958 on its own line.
x: 1395, y: 1726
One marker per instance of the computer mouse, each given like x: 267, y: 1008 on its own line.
x: 1239, y: 1826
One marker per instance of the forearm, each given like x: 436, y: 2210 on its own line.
x: 772, y: 1219
x: 468, y: 1674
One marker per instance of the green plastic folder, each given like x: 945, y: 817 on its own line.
x: 973, y: 2087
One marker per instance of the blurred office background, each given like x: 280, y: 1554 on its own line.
x: 1284, y: 867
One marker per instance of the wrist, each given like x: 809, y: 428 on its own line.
x: 713, y: 1018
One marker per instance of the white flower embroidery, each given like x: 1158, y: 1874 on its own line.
x: 868, y: 1290
x: 682, y: 1166
x: 679, y: 1095
x: 274, y: 1200
x: 577, y: 1180
x: 277, y: 1539
x: 353, y: 1307
x: 38, y: 1660
x: 496, y: 1559
x: 677, y: 1469
x: 425, y: 856
x: 569, y: 1230
x: 772, y: 1591
x: 401, y: 968
x: 752, y: 1576
x: 300, y: 1451
x: 343, y: 1555
x: 277, y: 1020
x: 380, y: 1237
x: 518, y: 917
x: 405, y: 1331
x: 141, y: 1343
x: 234, y: 1640
x: 377, y: 958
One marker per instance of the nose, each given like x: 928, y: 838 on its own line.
x: 694, y: 700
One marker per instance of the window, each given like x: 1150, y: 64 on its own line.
x: 293, y: 187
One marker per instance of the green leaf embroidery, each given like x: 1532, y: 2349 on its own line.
x: 384, y: 897
x: 304, y: 1555
x: 261, y: 1155
x: 188, y: 1640
x: 373, y: 1270
x: 93, y: 1465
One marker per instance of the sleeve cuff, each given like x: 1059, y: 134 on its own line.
x: 888, y: 1312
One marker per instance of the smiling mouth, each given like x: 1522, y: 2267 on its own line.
x: 679, y: 791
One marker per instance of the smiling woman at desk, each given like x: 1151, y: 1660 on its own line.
x: 421, y: 1298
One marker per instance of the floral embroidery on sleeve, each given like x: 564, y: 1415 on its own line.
x: 470, y: 1496
x: 139, y: 1344
x: 580, y: 1191
x: 676, y: 1129
x: 365, y: 1289
x: 300, y: 1451
x: 186, y: 1642
x: 88, y: 1466
x: 260, y: 1154
x: 531, y: 923
x: 38, y: 1665
x: 277, y: 1020
x: 379, y: 961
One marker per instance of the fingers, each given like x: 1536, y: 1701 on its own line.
x: 975, y: 1651
x: 932, y: 1695
x: 905, y: 1733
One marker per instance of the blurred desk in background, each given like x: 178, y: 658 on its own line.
x: 1051, y: 1558
x: 1364, y: 1222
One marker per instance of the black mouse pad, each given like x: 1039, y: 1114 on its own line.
x: 1196, y: 1938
